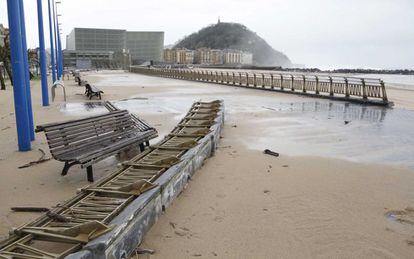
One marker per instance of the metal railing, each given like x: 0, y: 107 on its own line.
x: 364, y: 90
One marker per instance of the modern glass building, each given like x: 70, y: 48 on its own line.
x: 141, y: 46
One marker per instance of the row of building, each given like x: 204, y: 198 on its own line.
x: 88, y: 48
x: 207, y: 56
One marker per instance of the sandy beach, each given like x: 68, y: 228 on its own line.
x: 317, y: 199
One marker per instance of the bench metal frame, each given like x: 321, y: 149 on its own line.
x: 91, y: 91
x: 92, y: 139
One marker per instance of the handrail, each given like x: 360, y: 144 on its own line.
x: 366, y: 90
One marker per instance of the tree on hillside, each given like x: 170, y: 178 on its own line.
x: 235, y: 36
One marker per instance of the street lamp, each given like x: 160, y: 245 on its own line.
x: 52, y: 40
x: 59, y: 43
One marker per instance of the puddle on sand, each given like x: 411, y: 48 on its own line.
x: 134, y: 105
x: 79, y: 109
x: 312, y: 127
x: 340, y: 130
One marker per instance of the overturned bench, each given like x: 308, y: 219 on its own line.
x: 89, y: 140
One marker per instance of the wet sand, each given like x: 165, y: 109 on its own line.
x: 242, y: 204
x: 402, y: 98
x: 286, y: 207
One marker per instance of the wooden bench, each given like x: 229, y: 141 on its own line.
x: 92, y: 91
x: 89, y: 140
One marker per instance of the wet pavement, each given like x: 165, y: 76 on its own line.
x: 292, y: 126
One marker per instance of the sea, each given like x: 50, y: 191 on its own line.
x: 397, y: 81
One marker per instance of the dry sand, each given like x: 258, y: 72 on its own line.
x: 242, y: 203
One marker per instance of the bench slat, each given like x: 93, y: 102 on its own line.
x: 52, y: 126
x: 90, y: 133
x: 125, y: 142
x: 85, y: 123
x: 100, y: 149
x: 89, y: 143
x: 57, y: 129
x: 103, y: 155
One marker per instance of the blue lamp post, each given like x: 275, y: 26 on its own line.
x: 52, y: 50
x: 19, y: 88
x: 43, y: 65
x: 60, y: 64
x: 59, y: 52
x: 26, y: 70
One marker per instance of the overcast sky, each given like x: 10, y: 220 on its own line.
x: 318, y: 33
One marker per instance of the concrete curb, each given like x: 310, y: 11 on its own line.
x: 136, y: 219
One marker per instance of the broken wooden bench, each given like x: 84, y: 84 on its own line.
x: 89, y: 140
x: 92, y: 91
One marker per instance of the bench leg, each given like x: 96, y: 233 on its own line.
x: 147, y: 143
x: 89, y: 173
x: 141, y: 147
x: 66, y: 167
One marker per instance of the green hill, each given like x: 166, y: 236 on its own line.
x: 235, y: 36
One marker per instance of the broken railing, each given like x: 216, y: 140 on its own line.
x: 90, y: 214
x: 362, y: 90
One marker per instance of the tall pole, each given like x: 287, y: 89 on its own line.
x: 55, y: 39
x: 61, y: 56
x: 52, y: 50
x: 26, y: 70
x: 19, y: 84
x: 43, y: 65
x: 60, y: 51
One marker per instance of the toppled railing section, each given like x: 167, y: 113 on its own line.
x: 361, y: 90
x: 108, y: 219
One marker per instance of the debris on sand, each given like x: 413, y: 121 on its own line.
x: 141, y: 251
x: 180, y: 232
x: 134, y: 98
x: 270, y: 152
x: 57, y: 217
x: 346, y: 122
x: 29, y: 209
x: 42, y: 159
x: 268, y: 108
x: 172, y: 224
